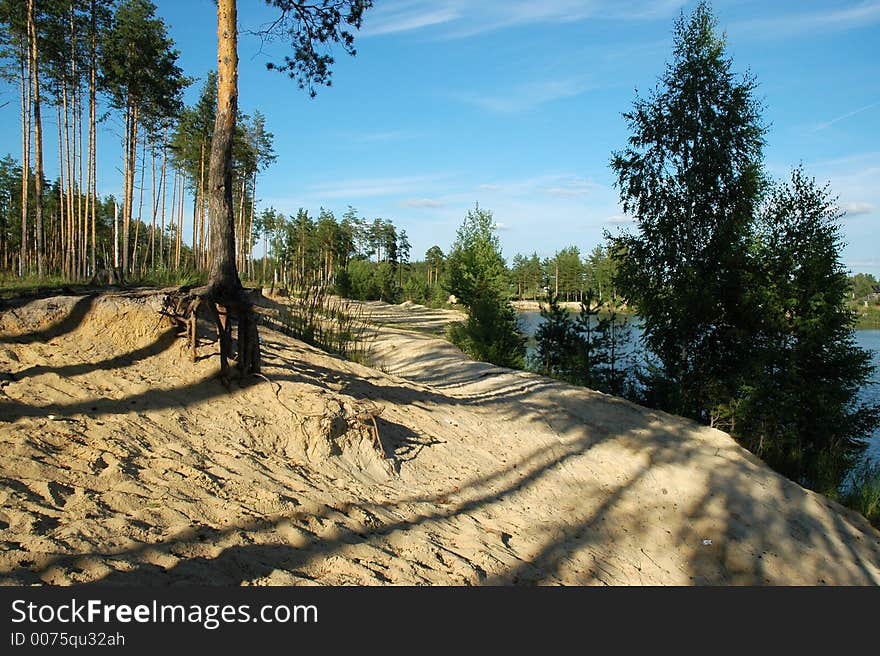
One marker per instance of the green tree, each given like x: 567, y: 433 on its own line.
x: 435, y: 260
x: 476, y: 276
x: 862, y: 284
x: 800, y: 411
x: 692, y: 177
x: 140, y: 74
x: 475, y: 264
x: 557, y: 343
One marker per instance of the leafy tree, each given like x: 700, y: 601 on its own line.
x: 691, y: 176
x: 862, y: 284
x: 363, y: 280
x: 600, y: 270
x: 403, y: 248
x: 589, y: 349
x: 800, y: 410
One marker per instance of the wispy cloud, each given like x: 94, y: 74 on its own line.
x: 860, y: 15
x: 381, y: 137
x: 371, y: 187
x: 619, y: 219
x: 857, y: 208
x: 526, y: 97
x: 573, y: 187
x: 466, y: 18
x: 552, y: 184
x: 842, y: 117
x: 421, y: 202
x: 397, y: 17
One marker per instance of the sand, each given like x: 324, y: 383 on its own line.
x: 124, y: 462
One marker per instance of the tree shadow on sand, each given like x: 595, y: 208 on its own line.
x: 763, y: 529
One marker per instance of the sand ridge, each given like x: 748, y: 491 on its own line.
x: 126, y: 463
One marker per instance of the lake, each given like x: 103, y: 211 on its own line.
x: 867, y: 339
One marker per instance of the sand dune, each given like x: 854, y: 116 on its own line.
x: 124, y: 462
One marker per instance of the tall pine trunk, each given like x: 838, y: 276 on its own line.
x: 92, y: 190
x: 25, y: 149
x: 38, y: 139
x: 223, y: 276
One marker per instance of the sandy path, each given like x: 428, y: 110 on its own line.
x: 124, y: 462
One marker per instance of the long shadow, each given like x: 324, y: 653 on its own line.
x: 633, y: 431
x: 207, y: 387
x: 68, y: 324
x: 163, y: 342
x: 271, y: 557
x: 240, y: 563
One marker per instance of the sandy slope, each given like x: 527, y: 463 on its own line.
x: 126, y: 463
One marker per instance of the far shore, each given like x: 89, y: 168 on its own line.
x: 535, y: 306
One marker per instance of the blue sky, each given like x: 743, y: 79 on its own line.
x: 517, y: 105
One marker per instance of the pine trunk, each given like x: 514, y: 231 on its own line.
x: 25, y: 150
x: 224, y: 286
x: 38, y: 140
x: 163, y: 189
x: 223, y: 277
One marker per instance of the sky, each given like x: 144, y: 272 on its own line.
x: 517, y: 105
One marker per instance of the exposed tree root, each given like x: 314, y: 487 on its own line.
x: 184, y: 306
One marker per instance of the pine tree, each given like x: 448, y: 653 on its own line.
x: 476, y: 276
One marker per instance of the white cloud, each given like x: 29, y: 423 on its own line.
x: 574, y: 187
x: 861, y: 15
x: 526, y: 97
x: 370, y: 187
x: 466, y: 18
x: 405, y: 17
x: 619, y: 219
x: 421, y: 202
x: 501, y: 227
x: 563, y: 185
x: 857, y: 208
x: 827, y: 124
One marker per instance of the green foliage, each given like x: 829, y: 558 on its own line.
x: 307, y: 25
x: 800, y: 409
x: 863, y: 285
x: 862, y: 492
x: 744, y: 308
x: 416, y: 289
x: 363, y: 280
x: 691, y: 176
x: 386, y: 283
x: 588, y: 350
x: 139, y: 63
x: 490, y: 333
x: 476, y: 276
x: 170, y: 277
x: 475, y: 267
x: 558, y: 344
